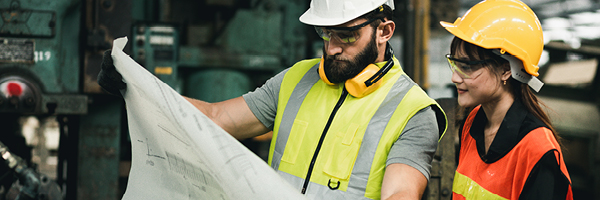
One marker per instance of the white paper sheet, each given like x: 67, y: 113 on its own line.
x: 179, y: 153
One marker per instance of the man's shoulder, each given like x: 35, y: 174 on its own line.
x: 307, y: 62
x: 302, y: 66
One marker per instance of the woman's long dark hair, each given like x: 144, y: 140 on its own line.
x: 499, y: 65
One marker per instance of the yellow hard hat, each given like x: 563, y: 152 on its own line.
x: 507, y: 25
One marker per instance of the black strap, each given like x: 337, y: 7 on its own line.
x: 385, y: 69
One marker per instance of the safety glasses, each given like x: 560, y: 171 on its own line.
x: 346, y: 35
x: 466, y: 69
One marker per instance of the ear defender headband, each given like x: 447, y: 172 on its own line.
x: 367, y: 80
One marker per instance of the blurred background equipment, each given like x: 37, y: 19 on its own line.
x: 29, y: 184
x: 55, y: 117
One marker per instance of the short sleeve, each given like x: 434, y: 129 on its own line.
x: 263, y: 100
x: 418, y: 142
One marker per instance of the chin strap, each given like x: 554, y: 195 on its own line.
x: 518, y: 72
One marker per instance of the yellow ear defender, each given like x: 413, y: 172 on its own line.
x: 367, y: 80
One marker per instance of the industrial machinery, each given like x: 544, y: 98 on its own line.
x: 30, y: 184
x: 39, y: 75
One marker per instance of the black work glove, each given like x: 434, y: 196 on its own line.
x: 109, y: 78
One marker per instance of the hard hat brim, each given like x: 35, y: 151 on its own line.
x: 453, y: 29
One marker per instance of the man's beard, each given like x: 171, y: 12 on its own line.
x: 337, y: 72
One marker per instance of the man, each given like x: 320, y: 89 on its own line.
x: 350, y: 125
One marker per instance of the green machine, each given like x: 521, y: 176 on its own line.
x: 34, y: 56
x: 217, y: 50
x: 155, y: 47
x: 39, y: 76
x: 48, y: 62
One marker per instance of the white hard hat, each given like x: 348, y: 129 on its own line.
x: 336, y: 12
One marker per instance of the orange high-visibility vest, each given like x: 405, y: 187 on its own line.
x: 505, y: 178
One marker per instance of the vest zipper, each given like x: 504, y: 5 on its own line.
x: 314, y: 158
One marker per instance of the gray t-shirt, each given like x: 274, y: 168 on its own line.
x: 415, y: 146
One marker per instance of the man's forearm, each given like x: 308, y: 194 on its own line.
x: 233, y: 115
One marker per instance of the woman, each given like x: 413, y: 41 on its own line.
x: 508, y: 149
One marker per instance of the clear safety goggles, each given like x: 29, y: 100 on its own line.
x: 466, y: 69
x: 346, y: 35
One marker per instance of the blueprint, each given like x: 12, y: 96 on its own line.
x: 179, y: 153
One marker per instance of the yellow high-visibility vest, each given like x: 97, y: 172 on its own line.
x: 341, y: 162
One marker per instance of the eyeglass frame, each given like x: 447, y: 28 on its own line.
x: 349, y: 29
x: 460, y: 73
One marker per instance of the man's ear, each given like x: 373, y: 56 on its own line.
x: 386, y: 30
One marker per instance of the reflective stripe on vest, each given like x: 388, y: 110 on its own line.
x: 299, y: 124
x: 469, y: 189
x: 505, y: 178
